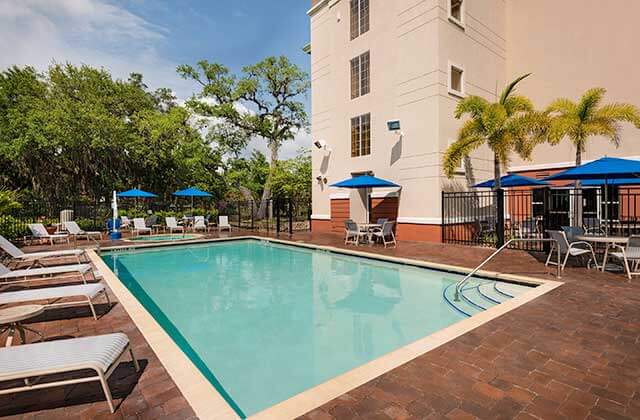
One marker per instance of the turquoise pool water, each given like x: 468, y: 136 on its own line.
x: 264, y: 322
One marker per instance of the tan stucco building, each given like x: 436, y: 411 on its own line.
x: 374, y: 61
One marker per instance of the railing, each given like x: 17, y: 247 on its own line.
x: 461, y: 283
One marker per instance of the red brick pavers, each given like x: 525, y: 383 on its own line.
x: 573, y: 353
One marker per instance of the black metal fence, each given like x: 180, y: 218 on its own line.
x: 274, y: 215
x: 471, y: 218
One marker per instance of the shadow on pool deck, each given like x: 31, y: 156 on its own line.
x: 572, y: 353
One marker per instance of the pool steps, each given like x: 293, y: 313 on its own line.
x: 478, y: 295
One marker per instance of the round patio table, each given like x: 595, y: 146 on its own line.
x: 609, y: 242
x: 368, y: 227
x: 13, y: 318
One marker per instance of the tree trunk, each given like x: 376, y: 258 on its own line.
x: 496, y: 173
x: 468, y: 172
x: 577, y: 200
x: 266, y: 193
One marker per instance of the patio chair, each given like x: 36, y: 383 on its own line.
x: 32, y: 362
x: 352, y: 232
x: 125, y: 223
x: 75, y: 231
x: 140, y: 227
x: 573, y: 249
x: 572, y: 231
x: 382, y: 221
x: 8, y: 276
x: 199, y: 224
x: 385, y: 234
x: 38, y: 231
x: 151, y: 220
x: 53, y: 294
x: 172, y: 224
x: 223, y: 223
x: 592, y: 226
x: 36, y: 257
x: 629, y: 255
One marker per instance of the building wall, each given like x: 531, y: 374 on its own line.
x: 571, y: 46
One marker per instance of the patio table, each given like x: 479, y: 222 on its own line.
x: 368, y: 227
x: 608, y: 241
x: 14, y: 316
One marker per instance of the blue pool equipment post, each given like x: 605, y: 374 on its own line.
x: 115, y: 233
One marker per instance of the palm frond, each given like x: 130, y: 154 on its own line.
x: 562, y: 106
x: 511, y: 87
x: 619, y: 112
x: 561, y: 126
x: 454, y: 154
x: 589, y: 103
x: 493, y: 119
x: 472, y: 105
x: 608, y: 129
x: 517, y: 103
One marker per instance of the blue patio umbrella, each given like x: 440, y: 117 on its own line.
x: 513, y: 180
x: 617, y: 181
x: 365, y: 181
x: 604, y: 169
x: 192, y: 192
x: 136, y: 193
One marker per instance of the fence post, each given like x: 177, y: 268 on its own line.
x: 276, y: 208
x: 500, y: 217
x: 290, y: 219
x: 239, y: 216
x: 442, y: 224
x: 251, y: 214
x: 309, y: 209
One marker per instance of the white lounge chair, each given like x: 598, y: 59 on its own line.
x: 36, y: 257
x: 172, y: 224
x: 125, y: 223
x: 38, y: 231
x: 18, y: 276
x: 31, y: 362
x: 573, y: 249
x: 74, y: 230
x: 88, y: 291
x: 200, y: 224
x: 223, y: 223
x: 385, y: 234
x: 629, y: 255
x: 140, y: 227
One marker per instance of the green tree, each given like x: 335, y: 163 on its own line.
x: 579, y: 121
x: 292, y: 177
x: 262, y: 101
x: 8, y: 201
x: 506, y: 126
x: 246, y: 178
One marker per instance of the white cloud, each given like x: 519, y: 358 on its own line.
x: 94, y: 32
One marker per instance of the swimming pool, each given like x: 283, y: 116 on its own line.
x: 264, y: 322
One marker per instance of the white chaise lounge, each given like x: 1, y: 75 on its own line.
x: 19, y: 276
x: 172, y: 224
x: 53, y: 294
x: 199, y: 223
x: 38, y: 231
x: 140, y: 227
x: 223, y: 223
x: 31, y: 362
x: 36, y: 257
x: 75, y: 231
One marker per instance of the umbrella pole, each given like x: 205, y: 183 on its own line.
x: 606, y: 207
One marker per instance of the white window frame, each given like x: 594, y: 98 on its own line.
x: 360, y: 79
x: 458, y: 22
x: 450, y: 89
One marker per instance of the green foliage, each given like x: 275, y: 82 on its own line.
x: 578, y: 121
x: 8, y: 201
x: 292, y: 178
x: 75, y: 131
x: 246, y: 176
x: 507, y: 126
x: 261, y: 102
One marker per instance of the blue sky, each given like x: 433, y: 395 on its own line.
x: 152, y: 37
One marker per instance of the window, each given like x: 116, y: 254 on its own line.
x: 359, y: 17
x: 361, y: 135
x: 456, y: 80
x: 360, y: 75
x: 456, y: 12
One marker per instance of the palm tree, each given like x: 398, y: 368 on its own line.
x: 587, y: 118
x: 505, y: 126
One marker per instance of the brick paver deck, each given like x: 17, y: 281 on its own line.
x: 572, y: 353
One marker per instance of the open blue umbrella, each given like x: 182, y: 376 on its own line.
x: 136, y: 193
x: 604, y: 169
x: 617, y: 181
x: 513, y: 180
x: 365, y: 181
x: 192, y: 192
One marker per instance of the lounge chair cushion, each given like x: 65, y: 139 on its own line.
x: 97, y: 352
x: 30, y: 272
x: 89, y: 290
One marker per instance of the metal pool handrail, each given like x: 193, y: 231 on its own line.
x: 461, y: 283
